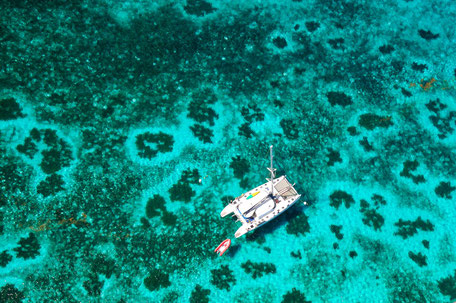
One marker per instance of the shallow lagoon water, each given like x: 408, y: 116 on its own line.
x: 125, y: 128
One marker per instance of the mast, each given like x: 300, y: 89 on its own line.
x: 271, y: 169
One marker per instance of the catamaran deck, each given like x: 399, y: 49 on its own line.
x: 258, y: 206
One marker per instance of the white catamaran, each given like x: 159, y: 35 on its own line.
x: 263, y: 203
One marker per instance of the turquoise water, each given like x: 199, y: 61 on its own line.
x: 126, y: 127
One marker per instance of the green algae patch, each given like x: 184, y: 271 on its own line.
x: 294, y: 296
x: 223, y: 278
x: 370, y: 121
x: 258, y: 269
x: 150, y: 144
x: 51, y: 185
x: 157, y: 279
x: 299, y: 225
x: 338, y: 197
x: 447, y: 286
x: 409, y: 228
x: 200, y: 295
x: 10, y: 109
x: 28, y: 247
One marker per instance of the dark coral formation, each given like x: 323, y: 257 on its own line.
x: 200, y: 295
x: 150, y: 144
x: 312, y: 26
x: 442, y: 122
x: 10, y: 294
x: 28, y: 247
x: 418, y: 258
x: 280, y: 42
x: 336, y: 230
x: 252, y: 113
x: 339, y: 98
x: 223, y: 277
x: 246, y: 131
x: 298, y: 225
x: 203, y: 133
x: 294, y: 296
x: 10, y: 109
x: 5, y: 258
x: 93, y: 285
x: 426, y: 243
x: 57, y: 155
x: 444, y: 190
x: 182, y: 191
x: 371, y: 217
x: 28, y: 148
x: 370, y: 121
x: 419, y: 67
x: 333, y: 157
x: 366, y: 145
x: 156, y: 280
x: 51, y: 185
x: 154, y: 204
x: 352, y: 131
x: 447, y: 286
x: 378, y: 200
x: 409, y: 228
x: 200, y: 111
x: 296, y: 254
x: 386, y: 49
x: 199, y: 8
x: 336, y: 43
x: 338, y: 197
x: 104, y: 265
x: 427, y: 35
x: 258, y: 269
x: 411, y: 166
x: 240, y: 167
x: 289, y: 128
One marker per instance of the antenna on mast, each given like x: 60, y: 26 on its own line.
x: 272, y: 170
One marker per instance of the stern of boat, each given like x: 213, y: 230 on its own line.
x: 227, y: 210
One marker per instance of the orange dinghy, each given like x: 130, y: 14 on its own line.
x: 223, y: 247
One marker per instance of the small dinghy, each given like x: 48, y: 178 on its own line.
x: 223, y: 247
